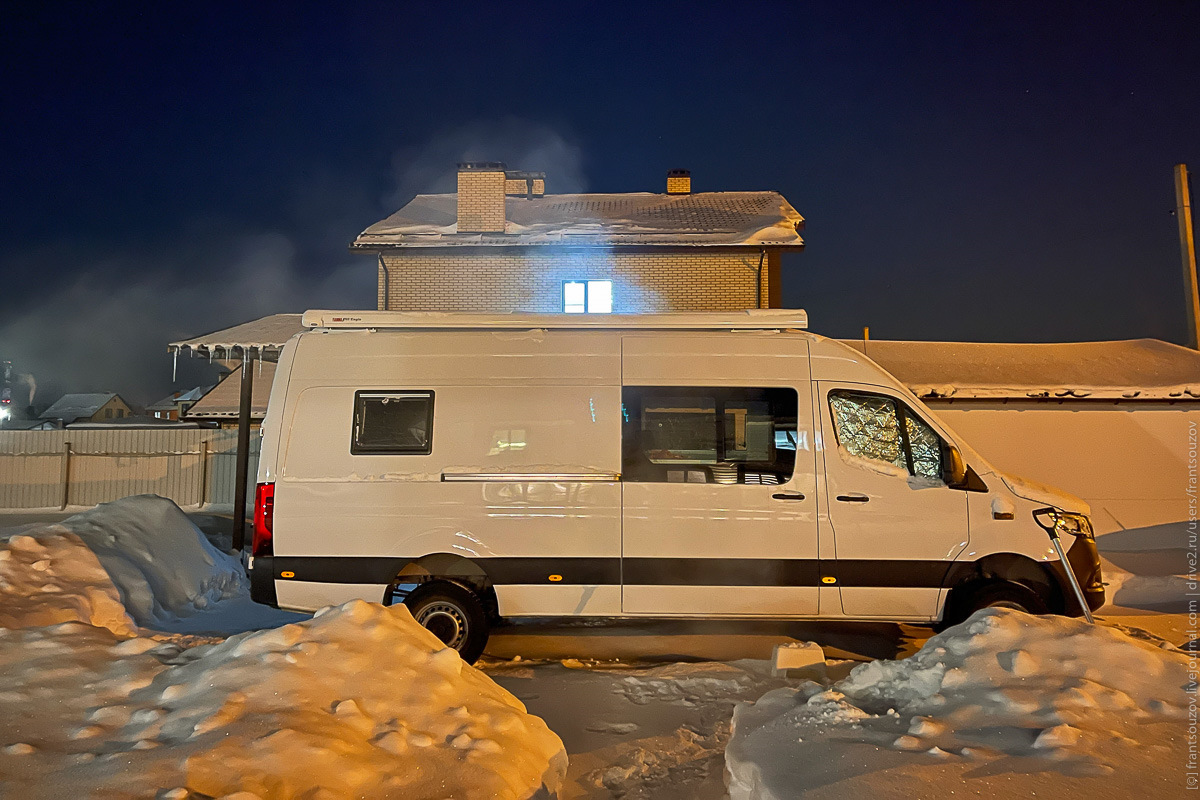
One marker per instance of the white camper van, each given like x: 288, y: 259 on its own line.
x: 716, y: 465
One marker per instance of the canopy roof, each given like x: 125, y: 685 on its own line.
x: 260, y: 338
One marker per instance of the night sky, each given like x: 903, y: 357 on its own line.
x: 968, y: 171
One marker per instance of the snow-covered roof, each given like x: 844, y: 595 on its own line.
x: 169, y: 402
x: 1141, y: 369
x: 224, y: 399
x: 265, y: 335
x: 757, y: 219
x: 71, y: 407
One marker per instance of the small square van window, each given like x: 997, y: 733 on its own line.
x: 393, y: 422
x: 881, y: 428
x: 674, y: 434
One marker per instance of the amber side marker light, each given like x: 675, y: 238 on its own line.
x: 555, y: 578
x: 287, y: 573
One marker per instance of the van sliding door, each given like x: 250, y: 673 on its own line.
x: 718, y: 476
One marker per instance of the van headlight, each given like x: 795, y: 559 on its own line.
x: 1074, y: 524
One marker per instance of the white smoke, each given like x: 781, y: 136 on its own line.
x: 103, y: 333
x: 431, y: 168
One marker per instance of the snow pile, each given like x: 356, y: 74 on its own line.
x: 161, y: 563
x: 138, y: 557
x: 1001, y: 683
x: 360, y: 701
x: 54, y: 578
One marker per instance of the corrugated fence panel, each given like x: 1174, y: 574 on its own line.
x: 107, y: 464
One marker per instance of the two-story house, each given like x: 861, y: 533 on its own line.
x: 500, y: 243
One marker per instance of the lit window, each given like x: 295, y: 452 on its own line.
x: 591, y: 297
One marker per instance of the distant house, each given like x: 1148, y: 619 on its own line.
x: 90, y: 407
x: 176, y: 405
x: 221, y: 403
x: 502, y: 244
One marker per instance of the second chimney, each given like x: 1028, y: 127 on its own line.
x: 481, y: 197
x: 679, y: 181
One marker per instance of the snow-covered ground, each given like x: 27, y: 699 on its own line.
x: 1021, y: 704
x: 172, y: 703
x: 100, y: 700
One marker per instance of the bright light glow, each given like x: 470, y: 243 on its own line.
x: 4, y: 413
x: 591, y: 297
x: 574, y: 297
x: 599, y: 297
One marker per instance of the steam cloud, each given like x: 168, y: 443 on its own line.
x: 432, y: 167
x: 98, y: 334
x: 106, y: 328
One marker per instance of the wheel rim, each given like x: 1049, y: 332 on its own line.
x: 1013, y: 604
x: 446, y: 622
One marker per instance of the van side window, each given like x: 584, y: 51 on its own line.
x: 883, y: 429
x: 674, y: 434
x: 926, y: 447
x: 392, y: 423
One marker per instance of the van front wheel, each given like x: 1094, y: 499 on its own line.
x: 966, y: 600
x: 453, y: 614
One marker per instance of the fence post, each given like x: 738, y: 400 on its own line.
x: 64, y: 477
x: 203, y: 471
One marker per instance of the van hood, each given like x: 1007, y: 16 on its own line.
x: 1045, y: 495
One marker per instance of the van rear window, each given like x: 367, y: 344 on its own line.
x: 393, y: 422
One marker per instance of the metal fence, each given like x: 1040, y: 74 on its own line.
x: 56, y: 469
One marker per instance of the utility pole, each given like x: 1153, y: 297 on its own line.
x: 1187, y: 249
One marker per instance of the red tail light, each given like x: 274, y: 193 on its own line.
x: 264, y: 518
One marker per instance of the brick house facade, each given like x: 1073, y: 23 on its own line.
x: 500, y: 244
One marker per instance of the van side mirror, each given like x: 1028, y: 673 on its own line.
x: 955, y: 472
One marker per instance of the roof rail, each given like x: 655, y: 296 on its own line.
x: 749, y: 319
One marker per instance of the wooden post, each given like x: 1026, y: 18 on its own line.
x: 243, y: 455
x: 1187, y: 249
x: 203, y: 472
x: 64, y: 475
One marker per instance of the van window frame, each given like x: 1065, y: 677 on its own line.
x: 358, y: 449
x: 903, y: 411
x: 637, y: 467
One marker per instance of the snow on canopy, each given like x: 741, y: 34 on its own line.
x: 631, y: 218
x: 1143, y: 369
x: 265, y: 334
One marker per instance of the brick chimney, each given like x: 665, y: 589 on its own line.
x: 679, y: 181
x: 481, y: 186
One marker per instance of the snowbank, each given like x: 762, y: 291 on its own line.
x: 53, y: 578
x: 359, y: 701
x: 1002, y: 683
x: 142, y: 553
x: 161, y: 563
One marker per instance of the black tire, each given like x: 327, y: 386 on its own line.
x: 966, y: 600
x: 453, y: 614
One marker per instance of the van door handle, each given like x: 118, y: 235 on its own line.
x: 853, y: 498
x: 788, y: 496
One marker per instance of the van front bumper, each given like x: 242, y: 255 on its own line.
x: 262, y: 581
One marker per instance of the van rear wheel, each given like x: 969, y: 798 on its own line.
x: 453, y: 614
x: 966, y: 600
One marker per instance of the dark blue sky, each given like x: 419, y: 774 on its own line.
x: 978, y: 171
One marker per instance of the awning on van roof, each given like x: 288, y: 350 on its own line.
x: 261, y: 338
